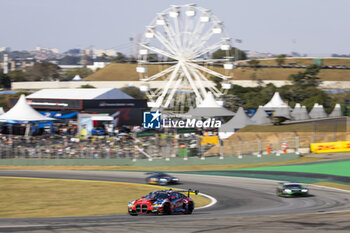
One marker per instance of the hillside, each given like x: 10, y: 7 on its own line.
x: 127, y: 71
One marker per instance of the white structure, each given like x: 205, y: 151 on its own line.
x: 209, y: 108
x: 261, y: 117
x: 76, y: 78
x: 336, y: 111
x: 299, y: 113
x: 317, y: 111
x: 240, y: 120
x: 6, y: 64
x: 2, y: 110
x: 22, y: 111
x: 275, y: 102
x: 182, y: 36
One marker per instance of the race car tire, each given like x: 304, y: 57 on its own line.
x: 190, y: 208
x: 132, y: 213
x: 166, y: 209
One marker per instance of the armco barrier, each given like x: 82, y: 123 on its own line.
x: 329, y: 147
x: 191, y: 161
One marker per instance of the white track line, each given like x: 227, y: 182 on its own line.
x: 213, y: 201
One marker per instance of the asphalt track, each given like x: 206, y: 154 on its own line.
x: 243, y: 205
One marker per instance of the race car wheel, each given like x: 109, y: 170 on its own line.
x: 166, y: 209
x: 132, y: 213
x: 190, y: 208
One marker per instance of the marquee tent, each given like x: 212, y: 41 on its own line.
x: 336, y: 111
x: 299, y: 113
x: 209, y: 108
x: 23, y: 112
x: 275, y: 102
x: 239, y: 121
x: 261, y: 117
x: 317, y: 111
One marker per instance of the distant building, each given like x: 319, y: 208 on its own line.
x: 259, y: 55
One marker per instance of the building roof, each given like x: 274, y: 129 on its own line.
x: 80, y: 93
x: 22, y: 111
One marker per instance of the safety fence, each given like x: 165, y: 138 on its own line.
x: 162, y: 147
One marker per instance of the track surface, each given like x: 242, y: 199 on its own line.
x: 244, y: 205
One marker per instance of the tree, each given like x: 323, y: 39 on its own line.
x: 5, y: 81
x: 280, y: 59
x: 69, y: 60
x: 308, y: 77
x: 253, y: 62
x: 82, y: 72
x: 119, y: 58
x: 134, y: 92
x: 221, y: 54
x: 87, y: 86
x: 17, y: 76
x: 43, y: 72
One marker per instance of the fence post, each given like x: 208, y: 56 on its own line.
x: 221, y: 142
x: 297, y: 145
x: 259, y: 148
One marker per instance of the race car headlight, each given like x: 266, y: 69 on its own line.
x: 287, y: 191
x: 304, y: 190
x: 131, y: 204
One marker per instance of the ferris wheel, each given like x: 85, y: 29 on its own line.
x: 180, y: 39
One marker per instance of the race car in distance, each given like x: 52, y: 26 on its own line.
x: 163, y: 202
x: 292, y: 189
x: 161, y: 179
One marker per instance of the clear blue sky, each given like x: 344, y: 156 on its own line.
x: 315, y: 27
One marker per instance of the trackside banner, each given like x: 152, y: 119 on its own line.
x: 328, y: 147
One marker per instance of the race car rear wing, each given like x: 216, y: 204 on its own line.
x: 189, y: 191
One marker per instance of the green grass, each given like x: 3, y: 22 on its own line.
x: 337, y: 168
x: 34, y: 197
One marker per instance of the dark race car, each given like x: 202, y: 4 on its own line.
x: 292, y: 189
x: 163, y: 202
x: 161, y: 179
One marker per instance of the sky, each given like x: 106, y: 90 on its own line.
x: 313, y: 27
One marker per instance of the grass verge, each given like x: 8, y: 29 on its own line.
x: 165, y: 168
x: 334, y: 185
x: 36, y: 197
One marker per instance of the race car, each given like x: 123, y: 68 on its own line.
x: 161, y: 179
x: 163, y: 202
x: 292, y: 189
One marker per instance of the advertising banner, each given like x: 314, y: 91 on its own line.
x: 210, y: 140
x: 328, y: 147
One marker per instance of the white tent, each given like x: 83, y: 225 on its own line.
x: 239, y: 121
x: 2, y: 110
x: 261, y: 117
x: 300, y: 113
x: 209, y: 108
x: 22, y: 111
x: 317, y: 111
x: 76, y: 78
x: 336, y: 111
x: 275, y: 102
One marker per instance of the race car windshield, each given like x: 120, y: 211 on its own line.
x: 293, y: 186
x: 157, y: 195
